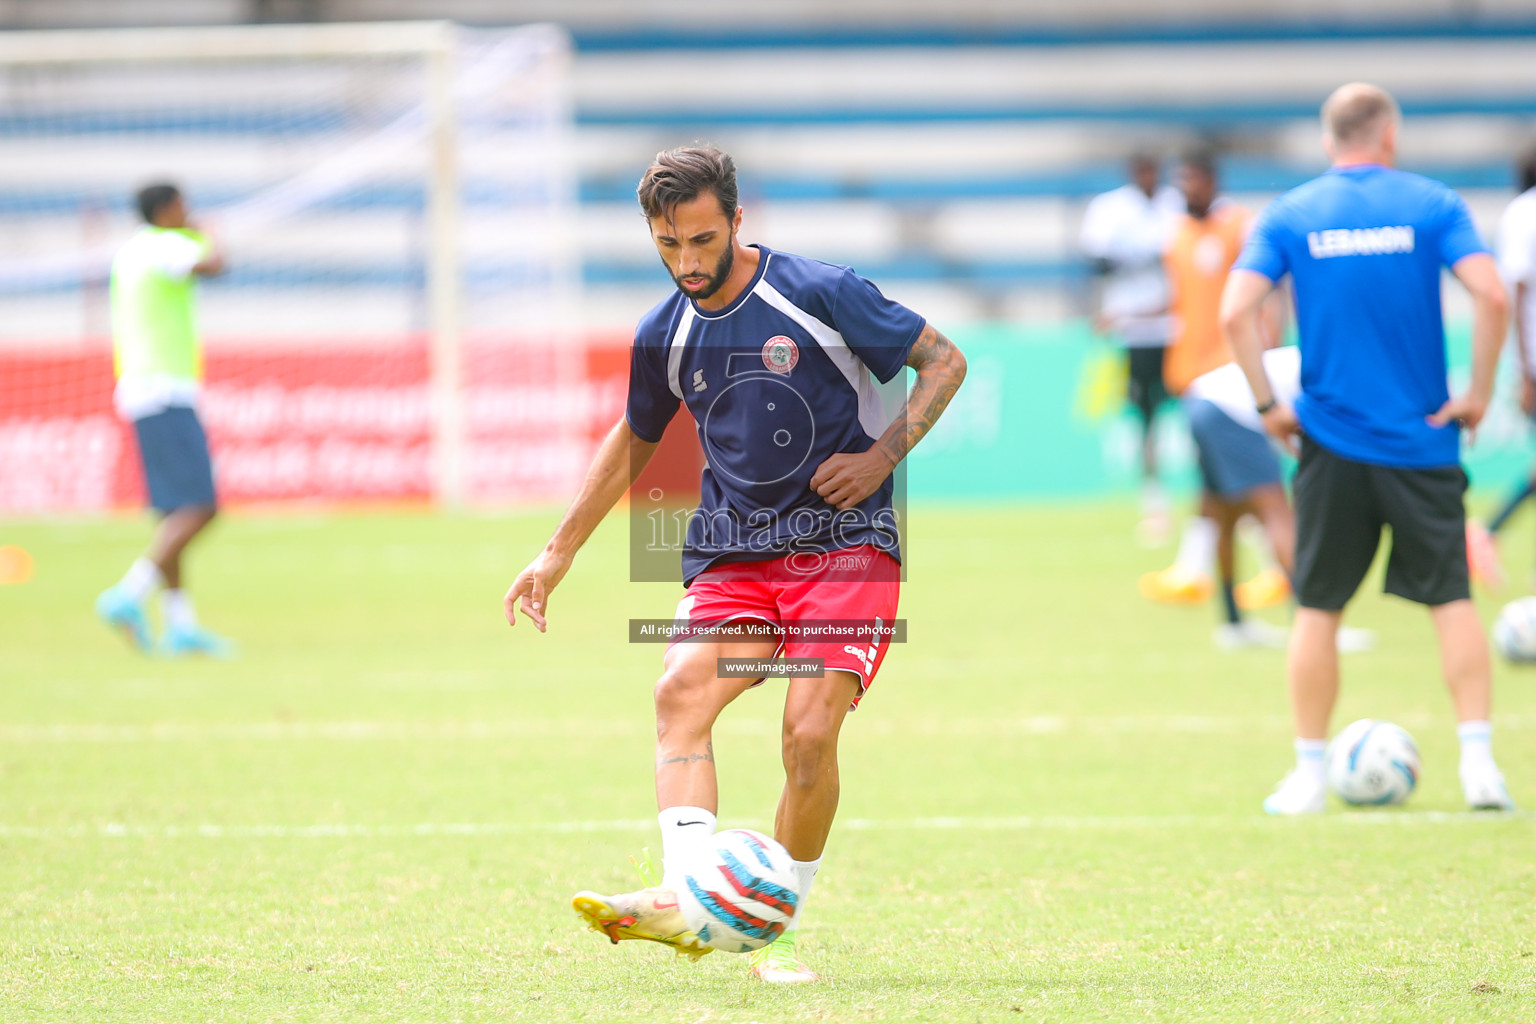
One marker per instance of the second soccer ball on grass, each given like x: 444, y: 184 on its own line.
x: 1514, y: 631
x: 1373, y: 762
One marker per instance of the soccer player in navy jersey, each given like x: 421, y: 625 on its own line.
x: 778, y: 359
x: 1379, y: 431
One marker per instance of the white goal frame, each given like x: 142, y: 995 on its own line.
x: 436, y: 42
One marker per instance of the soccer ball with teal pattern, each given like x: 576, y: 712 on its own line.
x: 1373, y: 762
x: 740, y: 893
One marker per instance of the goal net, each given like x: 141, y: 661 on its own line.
x: 395, y: 202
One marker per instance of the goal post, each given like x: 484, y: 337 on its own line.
x: 396, y: 201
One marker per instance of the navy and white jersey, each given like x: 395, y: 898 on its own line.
x: 784, y: 377
x: 1364, y: 245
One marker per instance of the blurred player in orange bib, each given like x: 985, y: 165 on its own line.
x: 1206, y: 242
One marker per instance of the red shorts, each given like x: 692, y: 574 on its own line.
x: 850, y: 594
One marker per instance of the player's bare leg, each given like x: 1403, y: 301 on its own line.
x: 689, y: 697
x: 172, y: 536
x: 814, y: 711
x: 1469, y: 677
x: 1464, y: 659
x: 1235, y: 632
x: 1188, y: 579
x: 1156, y: 521
x: 1278, y: 520
x: 122, y: 605
x: 1313, y: 676
x: 1271, y: 585
x: 1226, y: 515
x: 1313, y: 671
x: 183, y: 633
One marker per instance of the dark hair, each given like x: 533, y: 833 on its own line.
x: 1202, y: 160
x: 151, y: 199
x: 682, y: 175
x: 1526, y: 169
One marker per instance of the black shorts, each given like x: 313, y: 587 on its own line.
x: 1144, y: 386
x: 1341, y: 506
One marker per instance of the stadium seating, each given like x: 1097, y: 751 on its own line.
x: 951, y: 169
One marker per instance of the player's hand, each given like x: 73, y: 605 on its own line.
x: 1280, y: 423
x: 848, y: 478
x: 1467, y: 409
x: 531, y: 589
x: 1527, y: 395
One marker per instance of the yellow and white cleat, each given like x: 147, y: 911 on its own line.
x: 1175, y: 585
x: 777, y: 964
x: 1269, y: 588
x: 649, y: 914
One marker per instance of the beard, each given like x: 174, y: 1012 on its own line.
x: 716, y: 280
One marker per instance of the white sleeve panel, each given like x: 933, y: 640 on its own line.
x: 1099, y: 226
x: 1517, y: 241
x: 174, y: 255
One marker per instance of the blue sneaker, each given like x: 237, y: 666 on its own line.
x: 178, y: 643
x: 123, y: 613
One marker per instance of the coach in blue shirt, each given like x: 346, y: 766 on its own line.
x: 1378, y: 431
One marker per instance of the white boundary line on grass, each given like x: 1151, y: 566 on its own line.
x: 492, y: 829
x: 206, y: 732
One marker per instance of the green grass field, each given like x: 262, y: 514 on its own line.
x: 1050, y: 799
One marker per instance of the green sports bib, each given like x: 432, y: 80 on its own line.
x: 153, y: 333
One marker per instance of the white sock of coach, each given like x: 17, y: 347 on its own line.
x: 1310, y: 761
x: 1476, y: 744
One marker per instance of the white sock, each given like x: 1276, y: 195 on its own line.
x: 1476, y: 744
x: 1197, y: 548
x: 1154, y: 500
x: 176, y: 606
x: 1310, y: 759
x: 682, y: 830
x: 142, y: 577
x: 805, y: 872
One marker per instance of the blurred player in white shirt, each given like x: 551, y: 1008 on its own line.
x: 1125, y: 233
x: 1517, y: 265
x: 1240, y: 474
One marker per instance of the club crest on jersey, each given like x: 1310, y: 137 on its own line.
x: 780, y: 354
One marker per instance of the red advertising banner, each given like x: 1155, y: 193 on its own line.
x: 322, y: 422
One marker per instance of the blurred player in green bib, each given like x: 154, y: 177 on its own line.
x: 159, y: 367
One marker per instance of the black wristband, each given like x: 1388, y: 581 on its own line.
x: 1264, y: 407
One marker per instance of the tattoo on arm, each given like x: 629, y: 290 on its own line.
x: 940, y: 370
x: 708, y: 755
